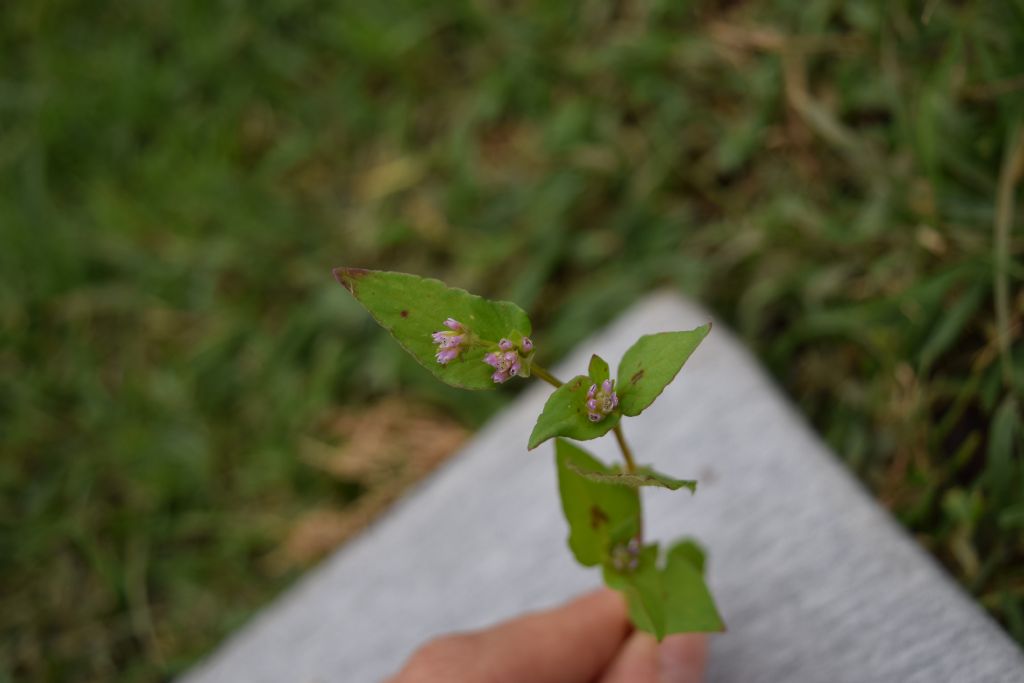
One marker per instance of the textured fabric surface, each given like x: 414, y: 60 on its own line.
x: 814, y: 580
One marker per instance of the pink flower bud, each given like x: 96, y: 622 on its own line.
x: 450, y: 342
x: 601, y: 401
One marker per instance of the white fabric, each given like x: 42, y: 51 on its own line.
x: 814, y: 580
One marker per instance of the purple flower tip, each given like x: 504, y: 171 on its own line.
x: 527, y: 345
x: 506, y: 361
x: 446, y: 356
x: 601, y: 400
x: 450, y: 342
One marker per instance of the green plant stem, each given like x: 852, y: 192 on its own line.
x: 627, y: 454
x: 545, y: 375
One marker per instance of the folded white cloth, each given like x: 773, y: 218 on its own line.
x: 814, y: 580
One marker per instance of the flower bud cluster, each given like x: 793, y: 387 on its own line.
x: 510, y: 360
x: 507, y: 361
x: 625, y: 557
x: 450, y: 342
x: 601, y: 400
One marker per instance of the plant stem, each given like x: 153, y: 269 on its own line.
x: 1009, y: 176
x: 545, y: 375
x: 627, y: 454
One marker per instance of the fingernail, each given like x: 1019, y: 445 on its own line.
x: 681, y: 659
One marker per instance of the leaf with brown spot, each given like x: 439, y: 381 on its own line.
x: 651, y: 364
x: 599, y: 514
x: 412, y: 308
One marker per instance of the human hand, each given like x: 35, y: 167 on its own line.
x: 586, y: 640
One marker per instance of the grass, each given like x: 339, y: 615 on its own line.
x: 837, y: 180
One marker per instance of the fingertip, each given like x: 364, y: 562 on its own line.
x: 681, y: 658
x: 636, y: 662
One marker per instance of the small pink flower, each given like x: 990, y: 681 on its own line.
x: 601, y: 400
x: 450, y: 342
x: 506, y: 361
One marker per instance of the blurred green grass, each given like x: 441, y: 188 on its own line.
x: 177, y: 179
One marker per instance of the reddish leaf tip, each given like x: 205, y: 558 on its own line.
x: 344, y: 276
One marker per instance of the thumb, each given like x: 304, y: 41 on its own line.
x: 678, y: 659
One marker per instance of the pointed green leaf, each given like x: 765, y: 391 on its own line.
x: 565, y: 414
x: 598, y: 514
x: 598, y: 369
x: 689, y: 606
x: 412, y: 308
x: 650, y: 364
x: 670, y: 600
x: 644, y: 476
x: 643, y: 591
x: 999, y: 464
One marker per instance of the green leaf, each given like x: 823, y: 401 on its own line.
x: 565, y: 414
x: 598, y: 514
x: 999, y: 465
x: 644, y: 476
x: 651, y: 363
x: 689, y: 606
x: 412, y: 308
x: 598, y: 369
x: 671, y: 600
x: 643, y: 590
x: 950, y: 327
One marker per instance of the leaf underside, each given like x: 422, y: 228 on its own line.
x: 644, y: 476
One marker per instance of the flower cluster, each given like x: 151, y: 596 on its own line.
x: 510, y: 360
x: 625, y: 557
x: 450, y: 342
x: 507, y: 361
x: 601, y: 400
